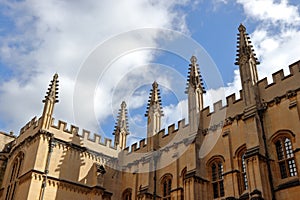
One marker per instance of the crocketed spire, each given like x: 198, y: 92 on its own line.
x: 122, y: 119
x: 121, y: 128
x: 50, y: 99
x: 194, y: 79
x: 52, y: 90
x: 154, y: 101
x: 245, y: 49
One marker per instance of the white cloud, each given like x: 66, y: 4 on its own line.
x: 57, y: 36
x: 275, y: 40
x: 174, y: 113
x: 271, y: 11
x: 276, y: 37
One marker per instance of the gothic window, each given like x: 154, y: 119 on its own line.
x: 285, y: 157
x: 166, y: 187
x: 14, y: 177
x: 183, y: 175
x: 217, y: 179
x: 244, y: 178
x: 127, y: 194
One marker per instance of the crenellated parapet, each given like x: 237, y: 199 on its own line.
x: 281, y: 83
x: 82, y: 137
x: 172, y: 142
x: 70, y: 134
x: 282, y: 87
x: 222, y: 115
x: 226, y: 113
x: 31, y: 125
x: 163, y: 137
x: 29, y: 130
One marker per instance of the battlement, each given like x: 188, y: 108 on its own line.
x: 84, y: 136
x: 162, y: 136
x: 233, y: 107
x: 32, y: 124
x: 223, y: 114
x: 281, y: 83
x: 278, y: 77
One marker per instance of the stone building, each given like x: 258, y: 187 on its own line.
x: 246, y: 148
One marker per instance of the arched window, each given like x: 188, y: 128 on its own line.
x: 285, y: 157
x: 166, y: 187
x: 183, y: 174
x: 244, y: 178
x: 217, y: 179
x: 242, y: 167
x: 14, y: 177
x: 127, y: 194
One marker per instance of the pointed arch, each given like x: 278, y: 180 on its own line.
x: 166, y: 183
x: 216, y: 169
x: 183, y: 174
x: 282, y: 133
x: 15, y: 173
x: 282, y: 147
x: 127, y: 194
x: 239, y: 150
x: 242, y: 175
x: 215, y: 158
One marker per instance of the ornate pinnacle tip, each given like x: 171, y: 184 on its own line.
x: 122, y: 119
x: 194, y: 79
x: 244, y: 46
x: 154, y: 85
x: 193, y: 60
x: 154, y: 98
x: 242, y: 28
x: 123, y: 105
x: 52, y: 90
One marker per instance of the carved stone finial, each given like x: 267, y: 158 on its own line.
x: 122, y: 119
x: 194, y: 77
x: 245, y: 49
x: 242, y: 28
x: 121, y: 128
x: 52, y: 90
x: 154, y: 85
x: 50, y: 99
x: 123, y: 105
x: 193, y: 60
x: 154, y: 99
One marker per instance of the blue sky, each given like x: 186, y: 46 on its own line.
x: 40, y: 38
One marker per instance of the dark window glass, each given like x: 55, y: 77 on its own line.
x: 167, y: 186
x: 214, y: 172
x: 216, y: 190
x: 285, y: 156
x: 127, y: 195
x: 217, y: 179
x: 14, y: 178
x: 279, y: 150
x: 244, y: 173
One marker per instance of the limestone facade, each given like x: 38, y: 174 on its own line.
x: 246, y: 148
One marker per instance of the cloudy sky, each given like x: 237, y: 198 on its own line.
x: 109, y: 51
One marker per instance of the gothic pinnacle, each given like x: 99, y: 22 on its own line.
x: 122, y: 119
x: 245, y: 50
x: 194, y: 77
x: 52, y: 90
x: 154, y: 99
